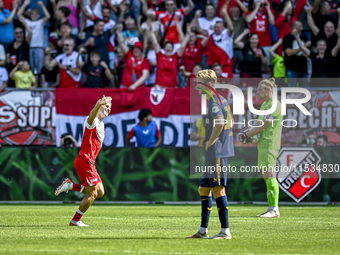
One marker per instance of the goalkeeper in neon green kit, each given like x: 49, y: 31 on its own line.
x: 269, y: 145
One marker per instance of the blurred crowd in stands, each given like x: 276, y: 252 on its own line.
x: 134, y: 43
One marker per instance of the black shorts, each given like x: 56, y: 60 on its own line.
x: 217, y: 174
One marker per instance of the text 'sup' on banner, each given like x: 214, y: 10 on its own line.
x: 27, y: 118
x: 275, y: 128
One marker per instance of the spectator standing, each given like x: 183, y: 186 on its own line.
x: 99, y: 40
x: 151, y: 56
x: 72, y: 6
x: 62, y: 14
x: 146, y: 131
x: 156, y: 5
x: 67, y: 62
x: 137, y: 67
x: 254, y: 56
x: 321, y: 63
x: 321, y: 14
x: 336, y: 56
x: 284, y: 20
x: 24, y: 78
x: 327, y: 33
x: 37, y: 42
x: 95, y: 9
x: 167, y: 62
x: 205, y: 25
x: 18, y: 50
x: 167, y: 19
x: 143, y: 28
x: 191, y: 75
x: 239, y: 25
x: 6, y: 23
x: 295, y: 48
x: 131, y: 33
x: 259, y: 20
x: 96, y: 69
x: 3, y: 78
x: 220, y: 44
x: 279, y: 71
x: 66, y: 32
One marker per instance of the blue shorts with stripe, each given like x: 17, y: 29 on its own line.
x: 216, y: 173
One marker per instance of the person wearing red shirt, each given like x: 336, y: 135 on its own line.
x: 284, y: 20
x: 164, y: 17
x: 220, y: 44
x: 167, y: 62
x: 259, y: 20
x: 192, y: 52
x: 137, y: 67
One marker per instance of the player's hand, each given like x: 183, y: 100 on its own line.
x: 104, y: 100
x: 27, y: 2
x: 244, y: 138
x: 309, y: 9
x: 246, y: 31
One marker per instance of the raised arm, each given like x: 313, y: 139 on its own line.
x: 249, y: 18
x: 21, y: 17
x: 11, y: 74
x: 29, y: 32
x: 273, y: 49
x: 184, y: 42
x: 189, y: 7
x: 271, y: 17
x: 179, y: 28
x: 79, y: 63
x: 45, y: 11
x: 145, y: 7
x: 93, y: 114
x: 336, y: 48
x: 243, y: 8
x: 84, y: 11
x: 139, y: 25
x: 310, y: 20
x: 238, y: 41
x: 226, y: 18
x: 281, y: 18
x: 155, y: 43
x: 120, y: 40
x: 108, y: 73
x: 316, y: 6
x: 9, y: 19
x: 198, y: 14
x: 304, y: 49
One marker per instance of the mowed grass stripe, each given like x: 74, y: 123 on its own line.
x: 161, y: 229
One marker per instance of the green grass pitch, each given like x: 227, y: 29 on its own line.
x: 161, y: 229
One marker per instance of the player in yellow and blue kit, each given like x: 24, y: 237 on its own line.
x: 269, y: 145
x: 219, y: 147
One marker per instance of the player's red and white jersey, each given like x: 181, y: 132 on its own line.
x: 108, y: 25
x: 221, y: 48
x: 93, y: 138
x: 164, y: 17
x: 69, y: 79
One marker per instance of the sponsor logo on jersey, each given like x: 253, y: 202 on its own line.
x: 298, y: 175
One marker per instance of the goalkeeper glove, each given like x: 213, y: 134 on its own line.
x: 244, y: 138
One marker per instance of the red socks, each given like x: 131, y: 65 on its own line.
x: 77, y: 187
x: 78, y: 215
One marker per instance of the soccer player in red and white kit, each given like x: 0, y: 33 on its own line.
x: 84, y: 164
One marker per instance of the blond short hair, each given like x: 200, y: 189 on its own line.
x: 269, y: 83
x: 207, y: 75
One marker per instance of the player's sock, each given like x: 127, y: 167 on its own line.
x: 222, y: 207
x: 77, y: 187
x: 78, y: 215
x: 269, y: 193
x: 225, y: 231
x: 275, y: 193
x: 206, y: 203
